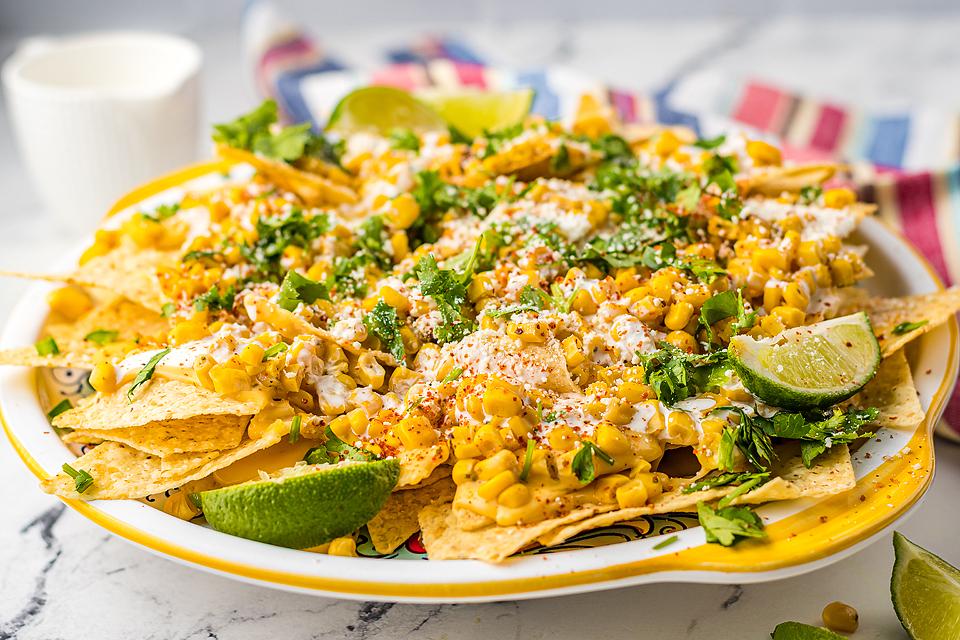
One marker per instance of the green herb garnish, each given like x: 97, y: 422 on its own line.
x: 582, y: 465
x: 101, y: 336
x: 336, y: 450
x: 274, y: 350
x: 676, y: 375
x: 907, y: 327
x: 404, y: 139
x: 252, y: 132
x: 161, y: 213
x: 527, y: 460
x: 710, y: 143
x: 167, y: 310
x: 453, y: 375
x: 295, y: 429
x: 665, y: 543
x: 216, y: 300
x: 146, y: 372
x: 62, y: 406
x: 297, y: 288
x: 449, y: 291
x: 47, y: 347
x: 728, y: 525
x: 728, y: 304
x: 384, y: 323
x: 81, y: 479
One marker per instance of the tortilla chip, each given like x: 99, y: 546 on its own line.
x: 893, y: 392
x: 28, y: 357
x: 201, y: 433
x: 444, y: 541
x: 440, y: 473
x: 832, y: 474
x: 776, y: 180
x: 313, y: 189
x: 159, y: 400
x: 131, y: 321
x: 130, y: 271
x: 398, y: 519
x: 122, y: 472
x: 886, y: 313
x: 514, y: 360
x: 416, y: 465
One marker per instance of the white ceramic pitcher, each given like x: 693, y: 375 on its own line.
x: 94, y: 115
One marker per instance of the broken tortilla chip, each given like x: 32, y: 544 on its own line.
x: 399, y: 517
x: 416, y: 465
x: 893, y: 392
x: 928, y: 310
x: 158, y: 401
x: 121, y: 472
x: 776, y: 180
x: 201, y: 433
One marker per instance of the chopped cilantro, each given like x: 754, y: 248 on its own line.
x: 531, y: 299
x: 146, y: 372
x: 527, y: 460
x: 723, y: 480
x: 665, y: 543
x: 101, y: 336
x: 665, y: 255
x: 47, y: 347
x: 752, y: 439
x: 674, y: 374
x: 297, y: 288
x: 274, y: 350
x: 276, y: 233
x: 295, y: 429
x: 161, y: 213
x: 728, y: 304
x: 455, y: 373
x: 613, y: 147
x: 560, y: 162
x: 497, y: 139
x: 82, y: 480
x: 710, y: 143
x: 727, y: 525
x: 582, y: 464
x: 252, y: 132
x: 167, y: 310
x: 336, y: 450
x: 809, y: 194
x: 384, y: 323
x: 449, y: 292
x: 907, y: 327
x: 404, y: 139
x: 215, y: 300
x: 61, y: 407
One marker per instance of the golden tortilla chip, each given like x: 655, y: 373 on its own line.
x: 416, y: 465
x: 28, y: 357
x: 201, y: 433
x: 893, y: 392
x: 159, y: 400
x: 398, y: 519
x: 121, y: 472
x: 131, y: 321
x: 438, y: 474
x: 313, y: 189
x: 774, y: 181
x: 130, y: 271
x: 444, y: 541
x: 832, y: 474
x: 887, y: 313
x: 517, y: 362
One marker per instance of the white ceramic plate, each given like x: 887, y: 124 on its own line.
x: 893, y: 470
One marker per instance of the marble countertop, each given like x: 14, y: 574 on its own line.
x: 63, y: 577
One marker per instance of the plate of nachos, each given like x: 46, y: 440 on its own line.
x: 544, y: 357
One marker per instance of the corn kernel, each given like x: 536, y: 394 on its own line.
x: 605, y: 488
x: 632, y: 493
x: 467, y: 450
x: 610, y: 439
x: 501, y: 402
x: 683, y: 341
x: 789, y: 316
x: 400, y: 244
x: 403, y: 212
x: 416, y: 432
x: 395, y: 299
x: 481, y: 286
x: 680, y: 428
x: 667, y: 142
x: 463, y: 471
x: 573, y: 351
x: 583, y: 303
x: 619, y: 412
x: 515, y: 496
x: 358, y: 420
x: 251, y: 354
x: 345, y: 546
x: 841, y: 270
x: 71, y: 302
x: 228, y: 380
x: 103, y: 377
x: 839, y: 198
x: 492, y: 488
x: 488, y: 440
x: 188, y: 331
x: 795, y: 296
x: 771, y: 297
x: 633, y: 392
x: 766, y: 259
x: 763, y: 154
x: 678, y: 316
x: 503, y: 460
x: 562, y: 438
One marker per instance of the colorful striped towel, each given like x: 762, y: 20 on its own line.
x: 908, y: 163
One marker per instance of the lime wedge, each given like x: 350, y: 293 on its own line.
x: 382, y: 110
x: 800, y: 631
x: 925, y: 592
x: 471, y: 111
x: 814, y: 366
x: 305, y: 507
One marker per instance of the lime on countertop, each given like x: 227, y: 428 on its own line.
x: 813, y: 366
x: 925, y: 592
x: 382, y: 110
x: 800, y: 631
x: 472, y: 111
x: 307, y: 507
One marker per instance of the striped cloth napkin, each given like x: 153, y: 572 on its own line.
x: 908, y: 163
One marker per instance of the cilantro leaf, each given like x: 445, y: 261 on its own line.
x: 728, y: 304
x: 809, y: 194
x: 61, y: 407
x: 82, y: 479
x: 728, y: 525
x: 665, y: 255
x: 404, y: 139
x: 101, y: 336
x: 530, y: 299
x: 277, y: 232
x: 146, y: 372
x: 297, y: 288
x: 582, y: 464
x: 384, y: 323
x: 496, y: 140
x: 725, y: 479
x: 336, y: 450
x: 752, y: 439
x: 274, y: 350
x: 47, y: 347
x: 161, y: 213
x: 674, y: 374
x: 167, y: 310
x: 215, y: 300
x: 449, y: 292
x: 710, y: 143
x: 613, y: 147
x: 560, y: 161
x: 907, y: 327
x: 252, y: 132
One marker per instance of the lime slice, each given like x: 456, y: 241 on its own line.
x: 304, y: 508
x: 800, y: 631
x: 814, y: 366
x: 382, y: 110
x: 925, y: 592
x: 471, y: 111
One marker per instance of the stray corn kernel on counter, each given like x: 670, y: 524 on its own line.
x: 497, y: 340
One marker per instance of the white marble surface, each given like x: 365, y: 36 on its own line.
x: 62, y: 577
